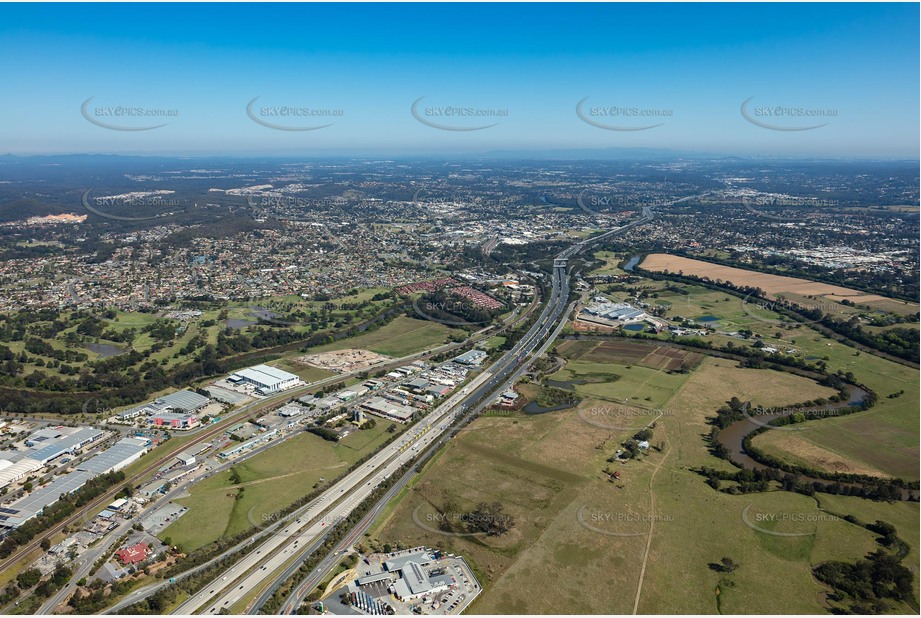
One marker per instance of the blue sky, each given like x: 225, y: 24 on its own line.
x: 691, y: 66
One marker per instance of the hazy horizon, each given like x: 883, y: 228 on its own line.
x: 780, y: 80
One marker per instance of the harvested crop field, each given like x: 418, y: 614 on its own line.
x: 628, y: 353
x: 621, y: 352
x: 790, y: 447
x: 671, y: 359
x: 574, y: 348
x: 773, y: 285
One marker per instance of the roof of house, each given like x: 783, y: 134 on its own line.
x: 397, y: 564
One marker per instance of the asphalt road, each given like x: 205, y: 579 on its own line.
x: 141, y: 593
x: 295, y: 541
x: 507, y: 371
x: 301, y: 536
x: 328, y: 509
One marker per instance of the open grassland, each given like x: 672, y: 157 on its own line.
x: 611, y: 260
x: 621, y: 383
x: 269, y: 482
x: 886, y: 436
x: 903, y: 515
x: 790, y: 446
x: 761, y: 387
x: 880, y: 442
x: 631, y: 543
x: 857, y: 438
x: 400, y: 337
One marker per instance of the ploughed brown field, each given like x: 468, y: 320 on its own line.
x: 627, y: 353
x: 773, y: 285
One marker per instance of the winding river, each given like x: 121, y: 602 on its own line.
x: 733, y: 436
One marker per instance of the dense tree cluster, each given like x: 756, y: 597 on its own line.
x: 489, y: 518
x: 128, y: 378
x: 869, y: 583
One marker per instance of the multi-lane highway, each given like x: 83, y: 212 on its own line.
x: 279, y: 555
x: 334, y: 505
x: 502, y: 375
x: 337, y: 491
x: 313, y: 522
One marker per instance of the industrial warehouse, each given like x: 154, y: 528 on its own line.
x: 606, y: 313
x: 267, y: 380
x: 114, y: 458
x: 177, y: 410
x: 412, y: 581
x: 45, y: 445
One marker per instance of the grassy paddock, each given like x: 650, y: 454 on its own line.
x: 400, y: 337
x: 270, y: 481
x: 548, y: 472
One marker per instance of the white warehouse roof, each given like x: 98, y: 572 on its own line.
x: 115, y: 457
x: 18, y: 470
x: 264, y: 374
